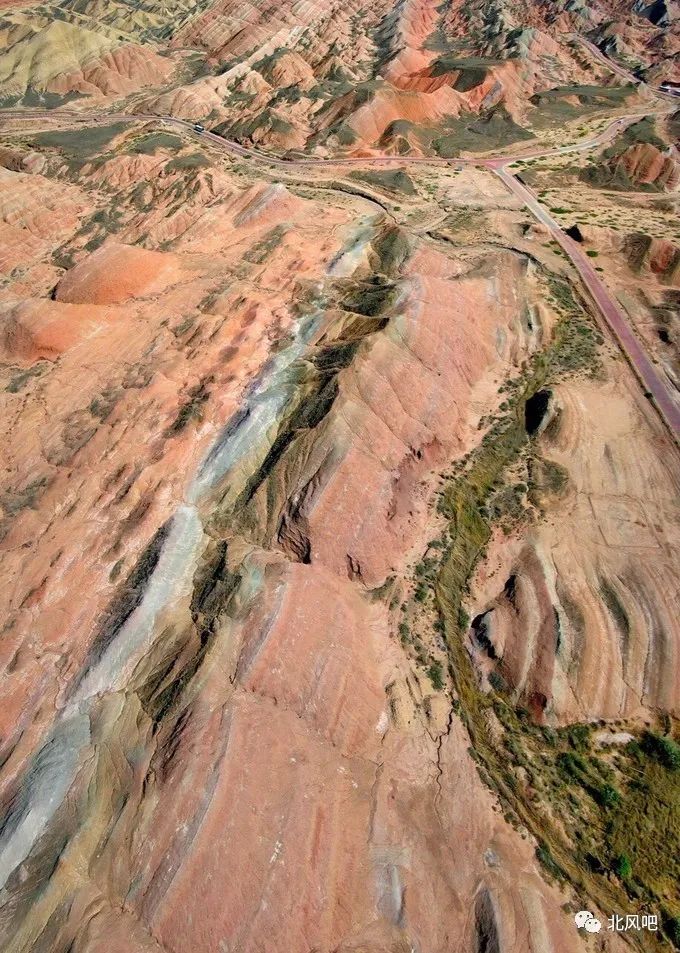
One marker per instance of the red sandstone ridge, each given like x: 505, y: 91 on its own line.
x: 243, y: 522
x: 339, y: 545
x: 116, y: 73
x: 343, y: 89
x: 644, y: 255
x: 115, y: 273
x: 664, y: 259
x: 67, y: 57
x: 646, y: 165
x: 36, y: 330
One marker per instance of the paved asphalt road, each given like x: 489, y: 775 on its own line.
x: 612, y: 314
x: 623, y: 72
x: 253, y: 154
x: 661, y: 390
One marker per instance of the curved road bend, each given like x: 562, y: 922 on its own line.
x: 611, y: 313
x: 253, y: 154
x: 622, y: 71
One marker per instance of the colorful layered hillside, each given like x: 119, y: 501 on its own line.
x: 644, y: 156
x: 418, y: 78
x: 339, y: 497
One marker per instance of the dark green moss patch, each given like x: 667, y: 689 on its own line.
x: 194, y: 160
x: 154, y: 142
x: 82, y: 142
x: 396, y: 180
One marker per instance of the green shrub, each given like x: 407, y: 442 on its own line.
x: 498, y: 683
x: 572, y: 766
x: 80, y: 142
x: 149, y: 144
x: 664, y: 749
x: 579, y: 737
x: 183, y: 163
x: 608, y: 796
x: 671, y: 927
x: 436, y: 675
x: 420, y: 594
x: 623, y: 867
x: 546, y: 859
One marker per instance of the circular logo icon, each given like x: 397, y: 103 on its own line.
x: 586, y: 921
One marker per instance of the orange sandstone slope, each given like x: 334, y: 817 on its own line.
x: 233, y: 718
x: 339, y: 546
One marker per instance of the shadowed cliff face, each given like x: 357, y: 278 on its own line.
x: 485, y: 925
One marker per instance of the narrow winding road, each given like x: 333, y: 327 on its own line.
x: 609, y: 309
x: 613, y: 317
x: 253, y: 154
x: 623, y: 72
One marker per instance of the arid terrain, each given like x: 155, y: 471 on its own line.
x: 340, y: 487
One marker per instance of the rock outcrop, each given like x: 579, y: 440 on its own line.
x: 115, y: 272
x: 647, y: 165
x: 203, y: 535
x: 66, y: 59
